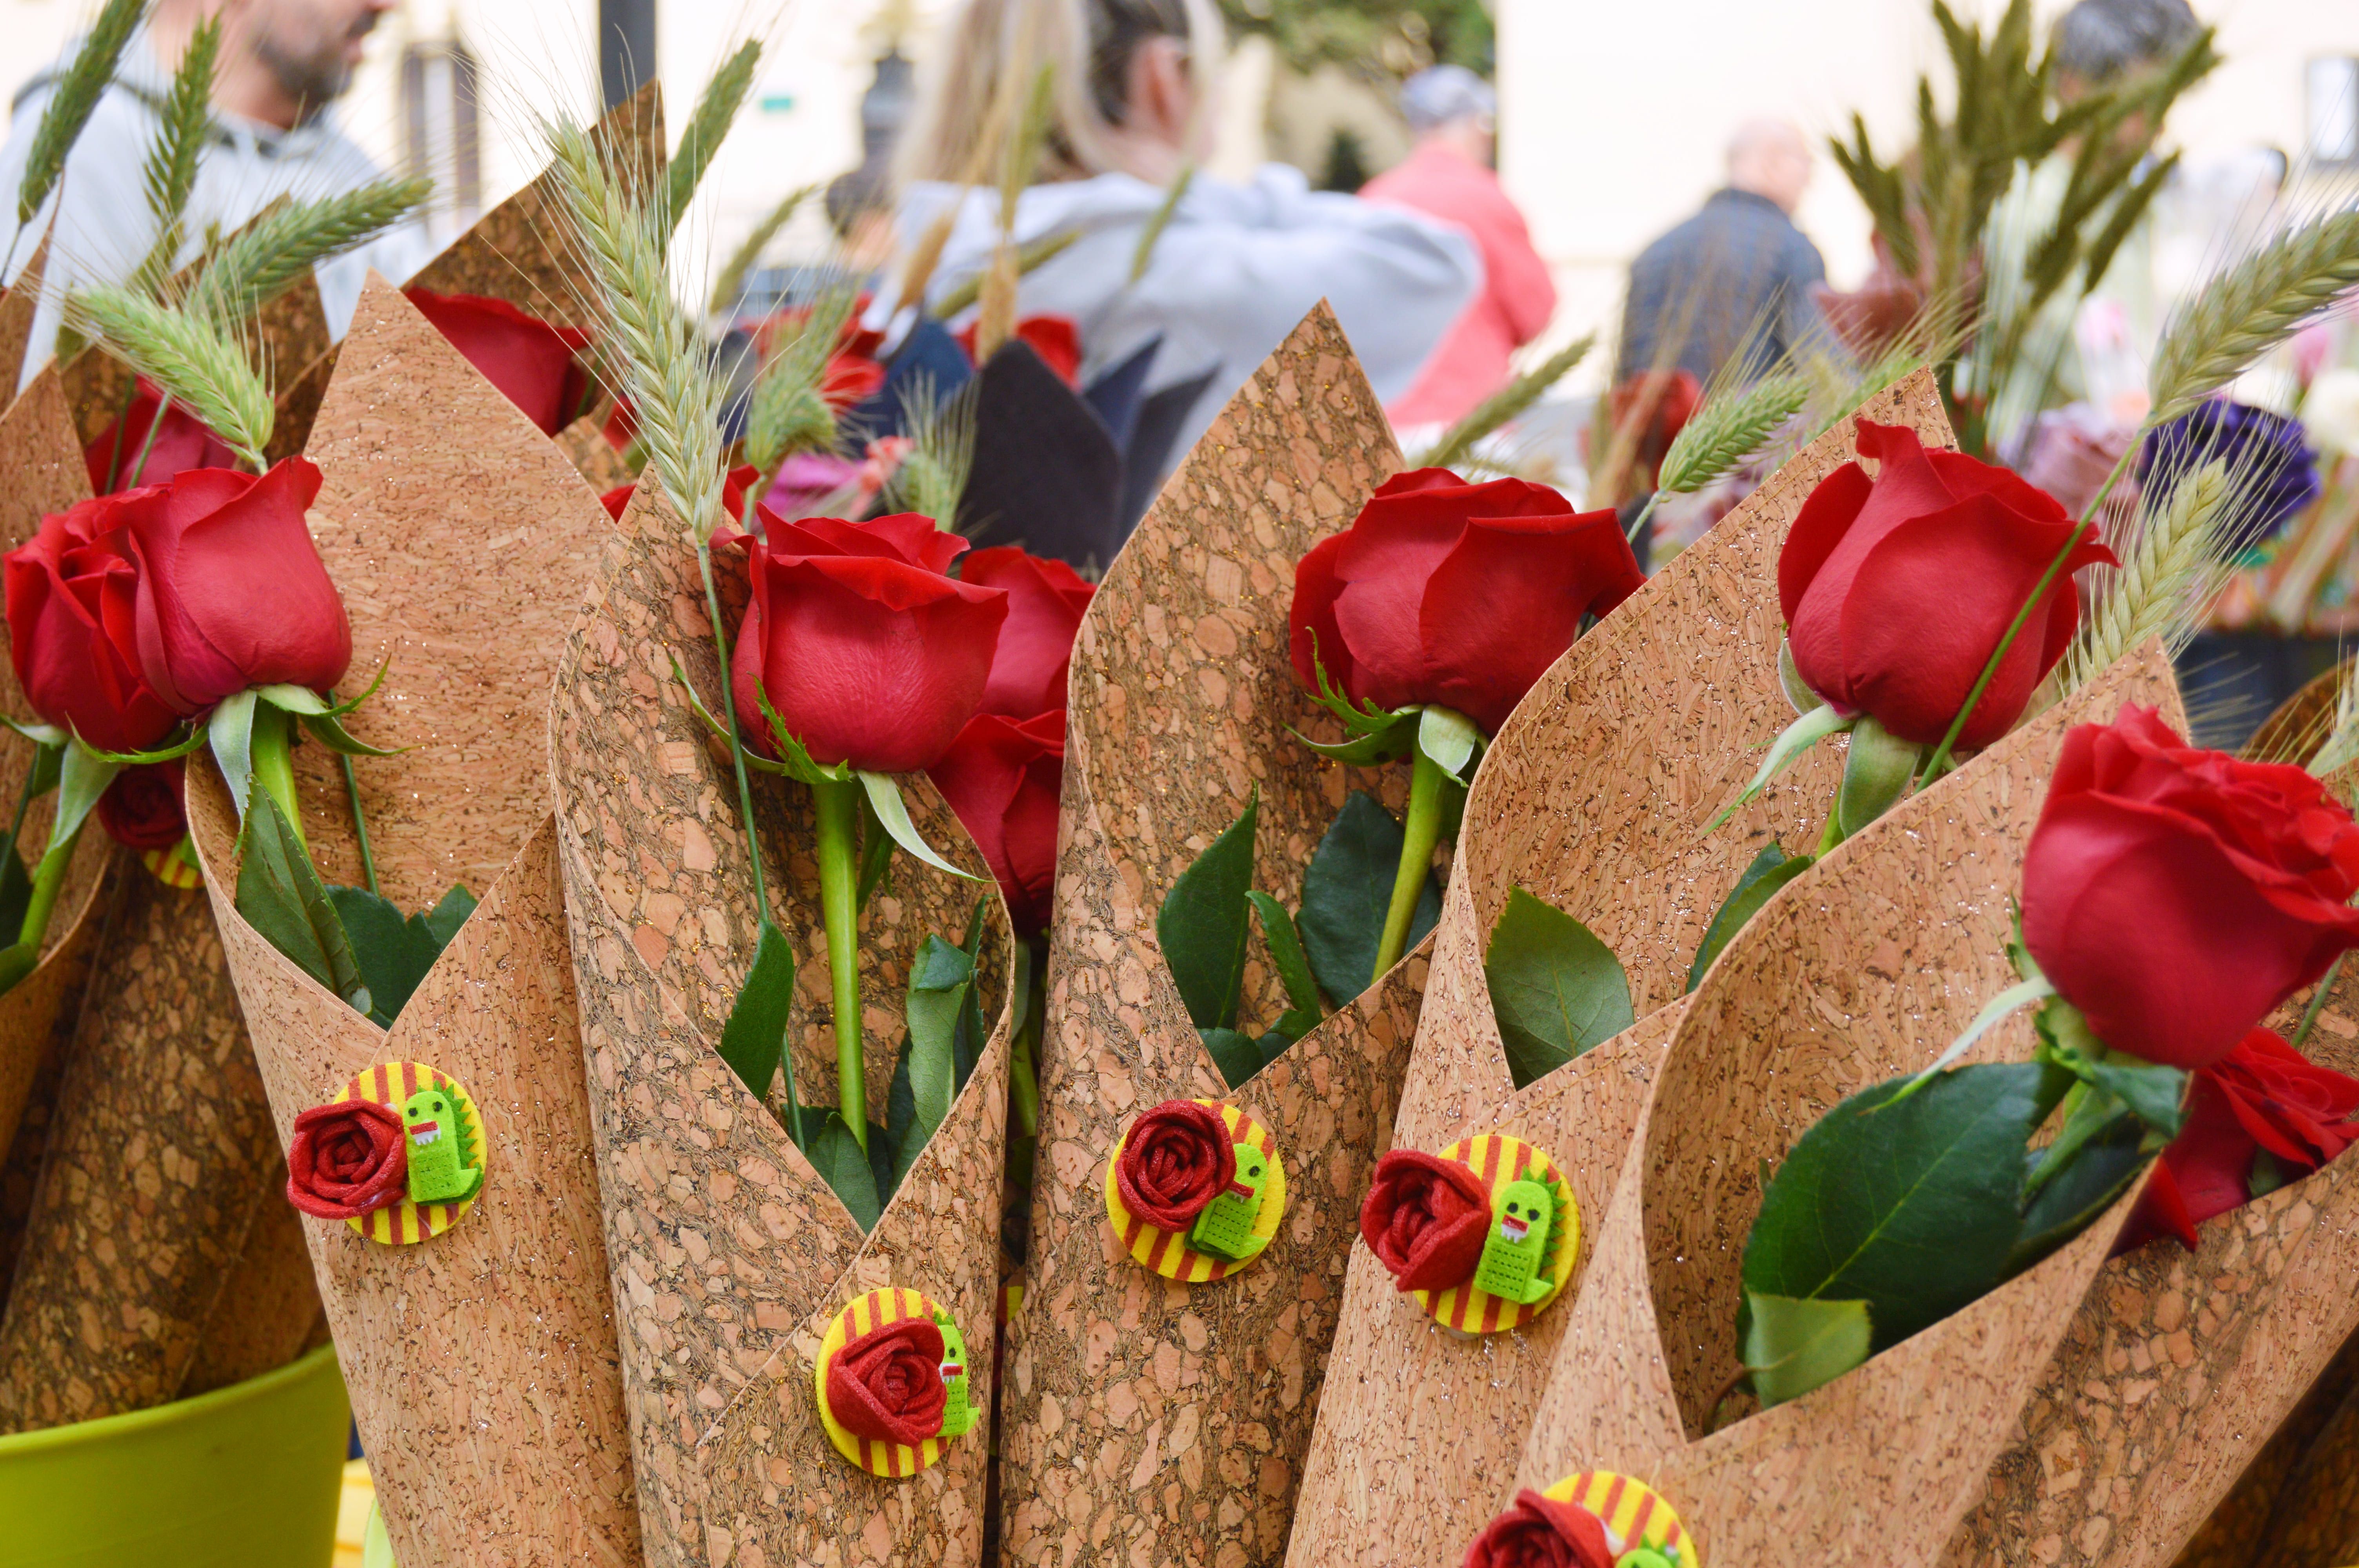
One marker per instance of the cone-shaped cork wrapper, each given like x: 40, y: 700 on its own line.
x: 1153, y: 1422
x: 1900, y: 941
x: 2181, y: 1367
x: 1593, y: 797
x: 19, y: 303
x: 43, y: 465
x: 730, y: 1253
x: 482, y: 1363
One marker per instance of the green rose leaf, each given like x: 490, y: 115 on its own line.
x: 281, y: 896
x: 394, y: 952
x: 1204, y: 920
x: 755, y: 1038
x: 836, y: 1154
x: 1239, y: 1056
x: 1793, y: 1345
x: 1345, y: 894
x: 1556, y: 990
x: 1771, y: 870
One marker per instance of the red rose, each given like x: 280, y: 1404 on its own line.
x: 2264, y: 1096
x: 1054, y: 338
x: 537, y: 366
x: 72, y: 592
x: 141, y: 808
x: 184, y: 442
x: 206, y: 629
x: 733, y: 494
x: 347, y: 1160
x: 2176, y: 896
x: 870, y: 653
x: 1540, y: 1532
x: 1177, y: 1158
x: 1004, y: 780
x: 1897, y: 589
x: 1045, y: 601
x: 1456, y: 594
x: 886, y: 1385
x: 1425, y: 1219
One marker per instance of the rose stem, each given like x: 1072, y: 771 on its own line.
x: 49, y: 876
x: 839, y: 896
x: 745, y: 805
x: 2309, y: 1014
x: 1023, y: 1070
x: 274, y: 763
x: 360, y: 825
x: 1940, y: 762
x: 155, y: 428
x: 121, y: 423
x: 1419, y: 835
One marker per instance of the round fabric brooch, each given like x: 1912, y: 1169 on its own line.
x: 894, y: 1383
x: 1483, y: 1235
x: 1642, y: 1529
x: 398, y: 1156
x: 1195, y: 1190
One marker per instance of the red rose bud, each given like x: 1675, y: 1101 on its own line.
x: 74, y: 623
x: 1897, y: 589
x: 2262, y: 1098
x: 183, y: 443
x: 887, y: 1386
x: 1178, y: 1158
x: 1540, y: 1532
x: 204, y: 631
x: 1054, y: 338
x: 537, y: 366
x: 617, y: 501
x: 141, y: 809
x: 347, y: 1160
x: 1045, y: 603
x: 1425, y: 1219
x: 868, y: 650
x: 2177, y: 896
x: 1453, y: 593
x: 1004, y: 780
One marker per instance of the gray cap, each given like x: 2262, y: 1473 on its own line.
x: 1441, y: 93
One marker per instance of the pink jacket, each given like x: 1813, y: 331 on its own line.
x: 1517, y: 298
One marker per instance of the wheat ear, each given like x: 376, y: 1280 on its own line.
x: 1505, y: 406
x: 2341, y: 747
x: 2150, y: 594
x: 2245, y: 310
x: 932, y: 476
x: 171, y: 173
x: 707, y: 125
x: 1143, y: 256
x: 788, y: 412
x: 79, y: 89
x: 731, y: 280
x: 1029, y: 256
x: 663, y: 366
x: 191, y: 357
x: 1726, y: 430
x: 281, y: 245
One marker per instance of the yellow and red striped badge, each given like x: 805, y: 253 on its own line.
x: 877, y: 1309
x: 404, y: 1223
x: 1634, y: 1512
x: 175, y: 867
x: 1497, y: 1161
x: 1167, y: 1251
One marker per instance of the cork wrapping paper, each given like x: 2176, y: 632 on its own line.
x: 521, y: 250
x: 1595, y: 797
x: 19, y: 304
x: 160, y: 1153
x: 728, y: 1252
x: 270, y: 1312
x: 1865, y: 972
x: 1148, y: 1422
x: 482, y: 1363
x: 2313, y: 1521
x: 44, y: 469
x: 2181, y: 1367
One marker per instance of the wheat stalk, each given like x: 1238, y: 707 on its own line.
x: 191, y: 356
x: 1029, y: 256
x: 663, y: 366
x: 731, y: 280
x: 1505, y: 406
x: 707, y: 125
x: 79, y: 89
x: 2150, y: 594
x: 2341, y: 747
x: 1728, y: 429
x: 280, y: 246
x: 1145, y: 254
x: 171, y: 173
x: 2247, y: 310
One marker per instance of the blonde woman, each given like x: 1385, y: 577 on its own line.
x: 1239, y: 264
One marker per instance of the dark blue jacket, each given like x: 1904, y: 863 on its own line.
x: 1703, y: 284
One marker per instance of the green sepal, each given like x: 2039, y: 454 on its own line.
x: 2156, y: 1094
x: 884, y: 799
x: 940, y: 976
x: 875, y: 854
x: 754, y: 759
x: 302, y: 700
x: 1367, y: 751
x: 172, y: 752
x: 48, y: 767
x: 1790, y: 680
x: 230, y: 732
x: 1359, y: 719
x: 1793, y: 1345
x: 280, y: 895
x: 330, y: 732
x: 1451, y: 741
x: 83, y: 777
x: 39, y: 734
x: 1793, y: 740
x: 1875, y: 774
x: 1203, y: 923
x: 1556, y: 990
x: 753, y: 1040
x: 1769, y: 871
x: 16, y: 889
x: 794, y: 757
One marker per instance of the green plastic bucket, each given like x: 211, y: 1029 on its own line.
x: 246, y: 1476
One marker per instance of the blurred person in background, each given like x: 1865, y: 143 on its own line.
x: 282, y: 65
x: 1737, y: 276
x: 1453, y: 112
x: 1238, y: 266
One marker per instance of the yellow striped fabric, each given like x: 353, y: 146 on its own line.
x: 389, y: 1084
x: 1167, y: 1251
x: 1633, y: 1512
x: 877, y: 1309
x: 1498, y: 1160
